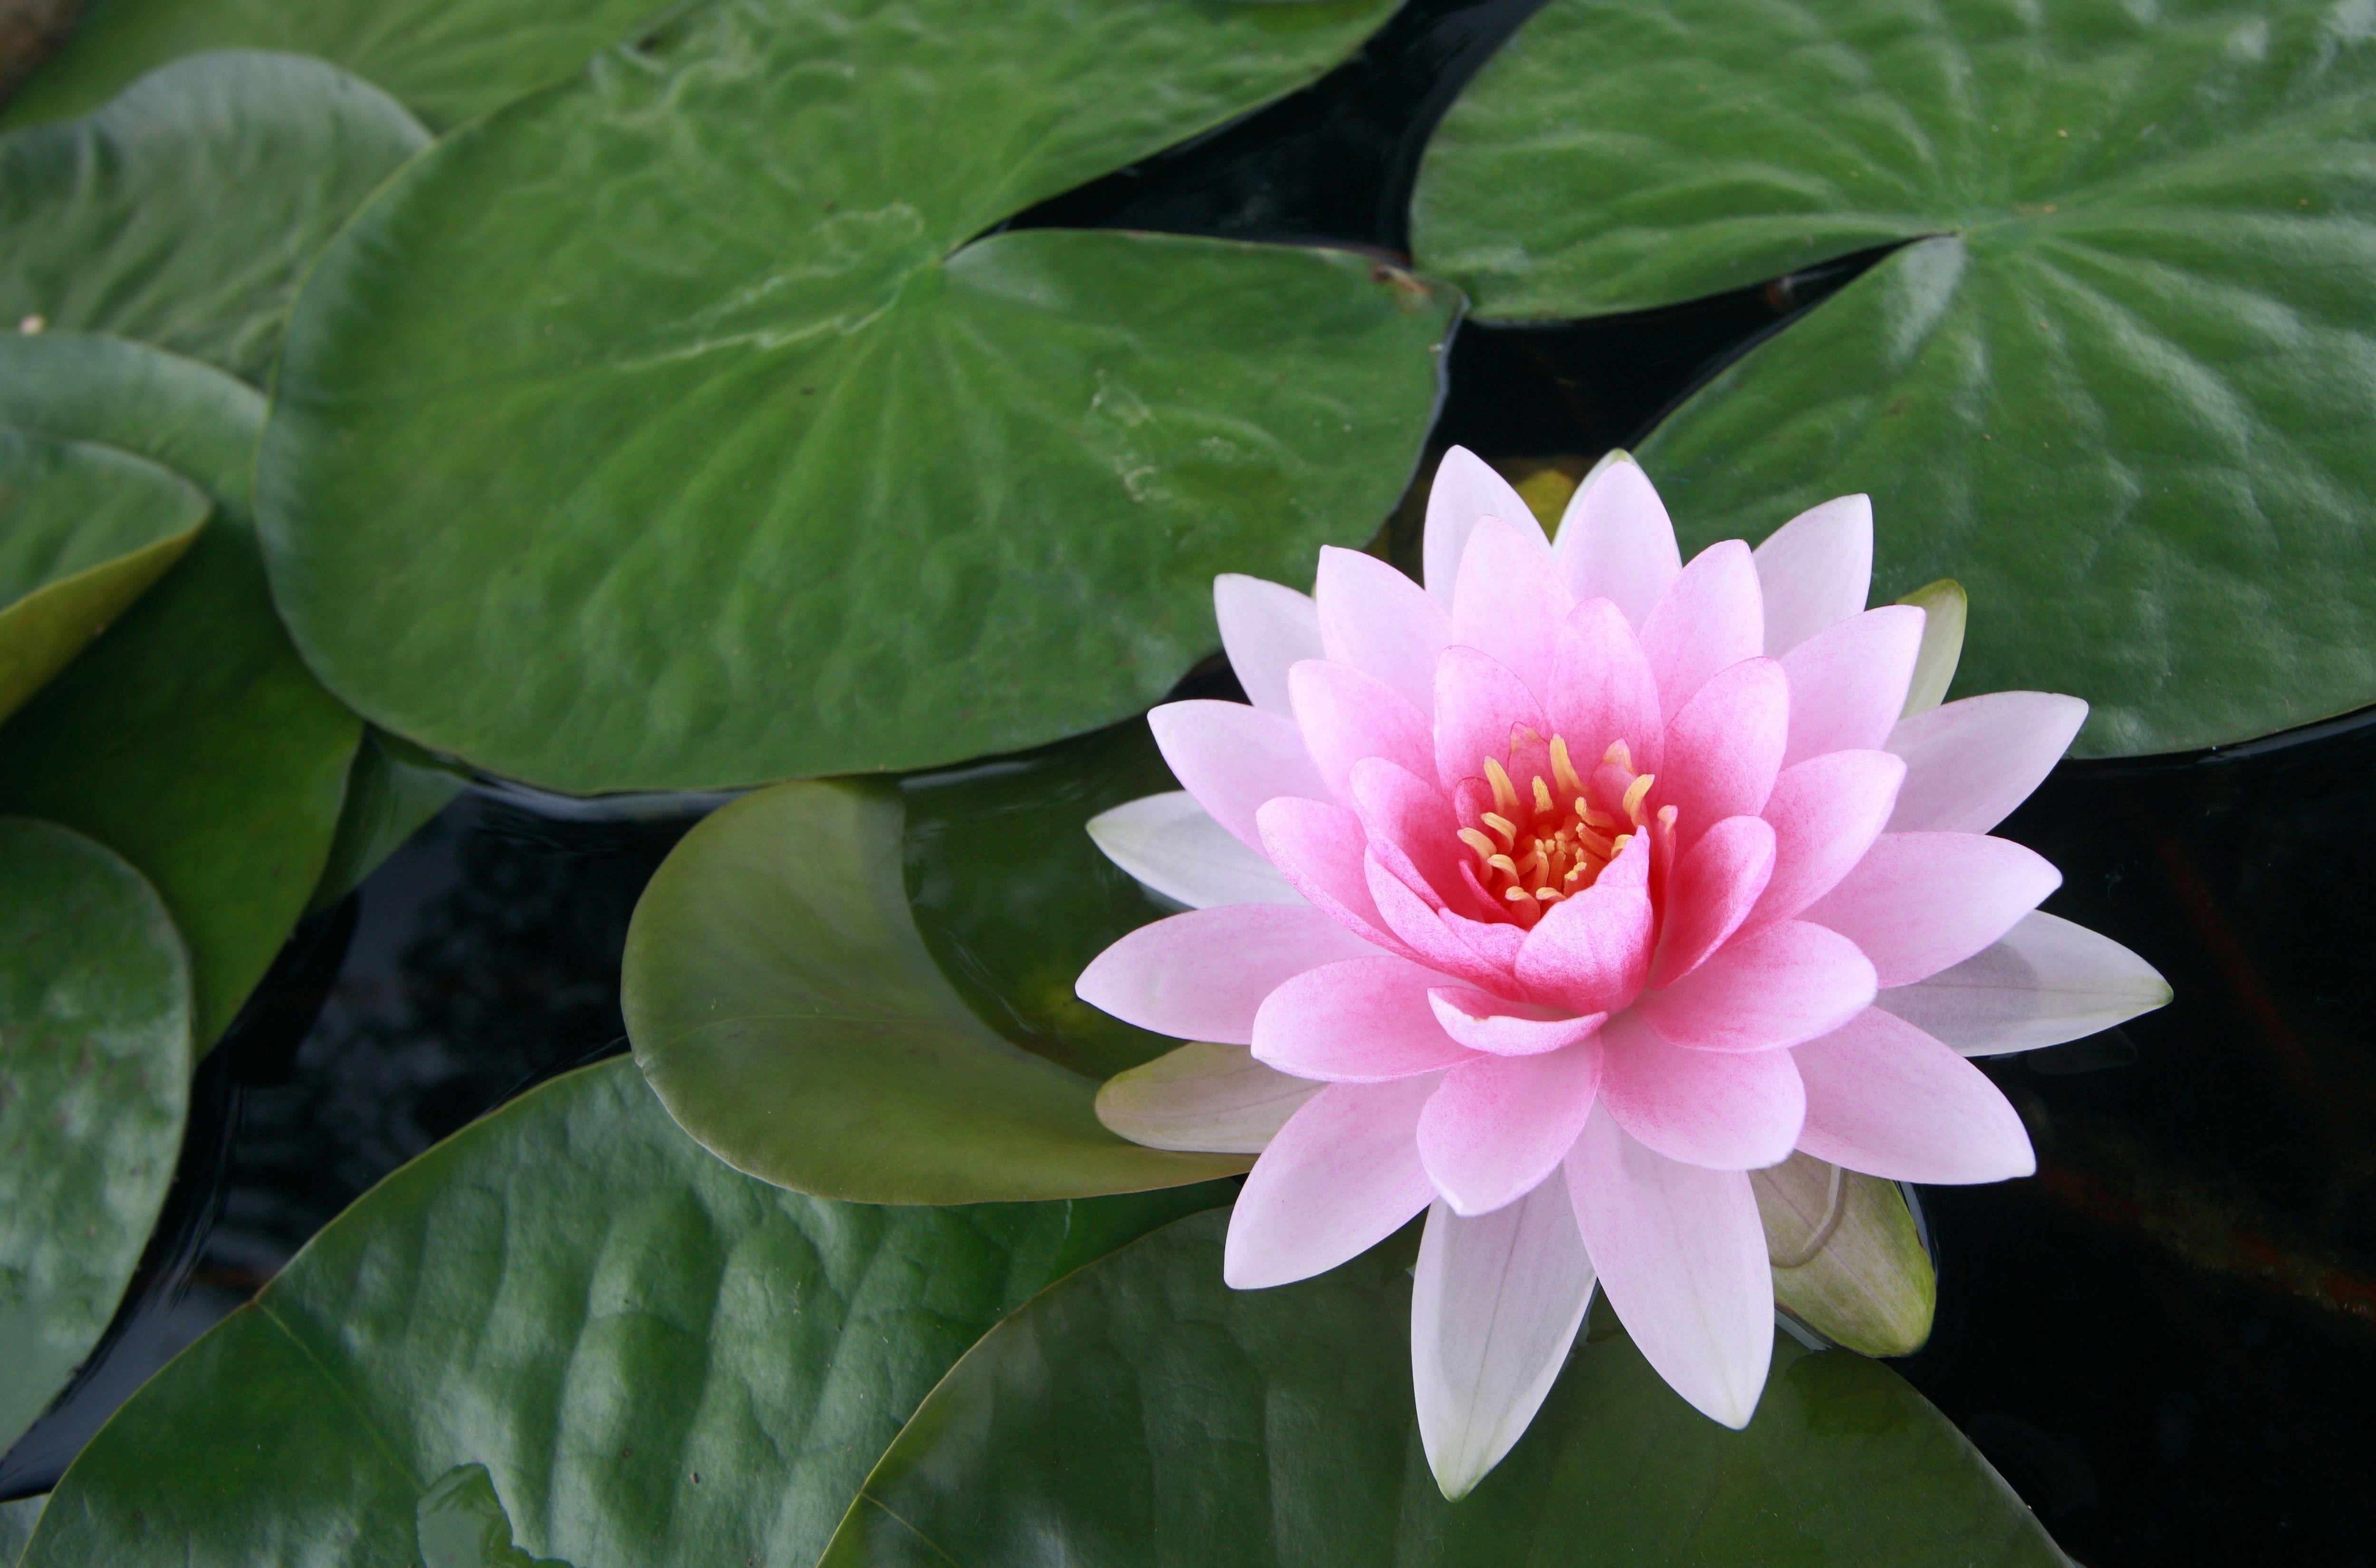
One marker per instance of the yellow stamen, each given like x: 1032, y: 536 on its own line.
x: 1563, y: 770
x: 1617, y: 845
x: 1517, y: 894
x: 1479, y: 842
x: 1504, y: 827
x: 1590, y: 818
x: 1594, y: 844
x: 1543, y: 806
x: 1548, y: 895
x: 1506, y: 798
x: 1666, y: 815
x: 1618, y: 754
x: 1505, y: 865
x: 1635, y: 794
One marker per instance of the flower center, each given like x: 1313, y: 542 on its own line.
x: 1548, y: 840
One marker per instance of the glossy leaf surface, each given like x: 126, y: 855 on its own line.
x: 823, y: 482
x: 782, y: 1003
x: 2117, y: 383
x: 94, y: 1083
x: 392, y: 792
x: 656, y: 1361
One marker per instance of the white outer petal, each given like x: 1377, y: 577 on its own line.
x: 1265, y: 627
x: 1615, y: 540
x: 1816, y: 571
x: 1463, y: 489
x: 1212, y: 1099
x: 1969, y: 764
x: 1495, y: 1305
x: 2045, y: 981
x: 1175, y: 848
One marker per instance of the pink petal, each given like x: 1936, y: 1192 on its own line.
x: 1682, y: 1252
x: 1615, y: 541
x: 1464, y: 489
x: 1400, y: 809
x: 1711, y: 619
x: 1885, y: 1099
x: 1233, y: 757
x: 1500, y: 1124
x: 1777, y: 985
x: 1815, y: 570
x: 1716, y: 883
x: 1202, y: 975
x: 1478, y: 700
x: 1484, y: 1022
x: 1380, y: 623
x: 1359, y: 1021
x: 1592, y: 952
x: 1826, y: 813
x: 1420, y: 929
x: 1510, y: 601
x: 1323, y: 852
x: 1723, y: 1109
x: 1602, y: 690
x: 1724, y: 749
x: 1265, y: 627
x: 1340, y: 1176
x: 1919, y: 902
x: 1848, y: 682
x: 1347, y: 715
x: 1969, y: 764
x: 1172, y: 844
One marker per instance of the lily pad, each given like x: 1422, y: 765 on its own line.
x: 189, y: 739
x: 185, y: 212
x: 2117, y: 380
x: 695, y: 425
x: 392, y: 792
x: 784, y: 1007
x: 84, y: 531
x: 656, y: 1361
x: 1142, y: 1412
x: 94, y: 1085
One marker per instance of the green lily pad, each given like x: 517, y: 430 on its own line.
x: 655, y: 1359
x: 17, y: 1521
x: 84, y: 531
x: 392, y: 792
x: 1848, y: 1260
x: 185, y: 212
x: 1142, y: 1412
x: 94, y: 1085
x: 681, y: 428
x: 782, y: 1003
x: 2119, y: 386
x: 446, y: 62
x: 189, y: 739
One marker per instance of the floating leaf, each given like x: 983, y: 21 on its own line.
x: 2121, y: 385
x: 1848, y: 1260
x: 185, y: 212
x: 657, y: 1360
x: 392, y: 790
x: 461, y: 1524
x: 821, y: 477
x: 189, y: 738
x: 1142, y: 1412
x: 94, y: 1083
x: 84, y: 531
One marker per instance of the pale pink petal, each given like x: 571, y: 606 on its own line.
x: 1323, y: 852
x: 1464, y: 489
x: 2047, y: 981
x: 1919, y: 902
x: 1404, y: 810
x: 1777, y: 985
x: 1969, y: 764
x: 1815, y: 570
x: 1497, y: 942
x: 1726, y: 1111
x: 1887, y: 1100
x: 1340, y: 1176
x: 1202, y: 975
x: 1266, y: 627
x: 1716, y: 883
x: 1202, y: 1095
x: 1509, y: 601
x: 1359, y: 1021
x: 1173, y: 847
x: 1848, y: 682
x: 1498, y: 1126
x: 1826, y: 812
x: 1478, y: 700
x: 1487, y: 1023
x: 1724, y: 749
x: 1380, y: 623
x: 1711, y: 619
x: 1681, y: 1254
x: 1421, y: 928
x: 1233, y: 757
x: 1602, y: 690
x: 1495, y: 1305
x: 1615, y: 541
x: 1592, y: 952
x: 1347, y: 715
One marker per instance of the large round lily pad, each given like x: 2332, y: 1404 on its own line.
x: 653, y: 1359
x: 189, y: 738
x: 1141, y: 1412
x: 185, y: 211
x: 679, y: 428
x: 94, y: 1083
x: 782, y: 1003
x: 2119, y: 388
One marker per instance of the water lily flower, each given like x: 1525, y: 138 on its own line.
x: 1556, y: 896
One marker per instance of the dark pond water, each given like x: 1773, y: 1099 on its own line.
x: 2166, y: 1340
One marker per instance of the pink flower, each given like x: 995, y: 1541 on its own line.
x: 1555, y: 896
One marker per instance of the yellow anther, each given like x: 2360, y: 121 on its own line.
x: 1505, y: 865
x: 1479, y: 842
x: 1667, y: 818
x: 1596, y: 845
x: 1635, y: 794
x: 1506, y: 798
x: 1548, y: 895
x: 1590, y: 818
x: 1517, y: 894
x: 1543, y: 806
x: 1534, y: 865
x: 1618, y: 754
x: 1504, y: 827
x: 1617, y: 845
x: 1563, y: 770
x: 1575, y: 871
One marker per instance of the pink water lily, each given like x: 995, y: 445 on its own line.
x: 1555, y: 896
